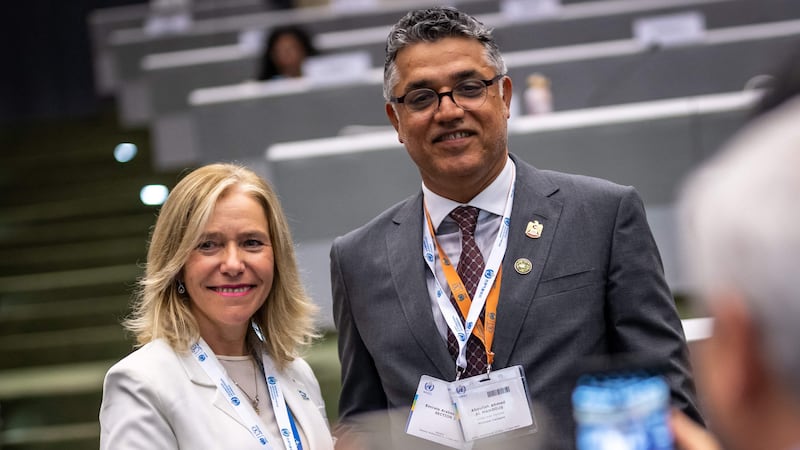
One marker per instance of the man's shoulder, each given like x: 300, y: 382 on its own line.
x: 585, y: 183
x: 568, y: 184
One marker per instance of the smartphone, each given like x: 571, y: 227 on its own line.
x: 622, y: 404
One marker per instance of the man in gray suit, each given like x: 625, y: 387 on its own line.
x: 572, y: 257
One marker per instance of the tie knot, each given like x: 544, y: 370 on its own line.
x: 466, y: 217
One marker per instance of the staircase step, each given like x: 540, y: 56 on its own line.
x: 135, y: 224
x: 72, y: 255
x: 51, y: 347
x: 60, y: 398
x: 63, y: 314
x: 101, y: 204
x: 52, y: 381
x: 54, y: 410
x: 77, y: 436
x: 18, y: 193
x: 86, y: 278
x: 43, y: 296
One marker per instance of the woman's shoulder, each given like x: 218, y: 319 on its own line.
x: 300, y: 365
x: 157, y: 354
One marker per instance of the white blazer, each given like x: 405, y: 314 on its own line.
x: 156, y: 398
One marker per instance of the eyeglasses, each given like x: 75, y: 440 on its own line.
x: 467, y: 95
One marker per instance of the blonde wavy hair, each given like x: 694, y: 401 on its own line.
x: 159, y: 312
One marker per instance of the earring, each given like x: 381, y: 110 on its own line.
x: 181, y: 288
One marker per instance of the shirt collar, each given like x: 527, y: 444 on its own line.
x: 492, y: 199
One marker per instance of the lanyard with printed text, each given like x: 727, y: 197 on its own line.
x: 211, y: 365
x: 288, y: 429
x: 487, y: 292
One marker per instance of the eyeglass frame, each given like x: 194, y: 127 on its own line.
x: 439, y: 95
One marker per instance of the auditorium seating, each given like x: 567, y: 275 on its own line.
x: 104, y: 21
x: 239, y: 121
x: 170, y: 77
x: 129, y: 46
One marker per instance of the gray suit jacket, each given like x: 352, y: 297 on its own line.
x: 156, y: 398
x: 596, y: 288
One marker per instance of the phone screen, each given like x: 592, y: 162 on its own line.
x: 622, y: 409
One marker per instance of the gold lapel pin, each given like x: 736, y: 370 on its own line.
x: 534, y: 230
x: 523, y: 266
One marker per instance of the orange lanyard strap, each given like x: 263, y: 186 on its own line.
x: 464, y: 301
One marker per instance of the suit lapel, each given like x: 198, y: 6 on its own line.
x: 532, y: 202
x: 199, y: 377
x: 409, y: 276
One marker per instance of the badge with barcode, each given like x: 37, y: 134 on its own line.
x: 488, y: 406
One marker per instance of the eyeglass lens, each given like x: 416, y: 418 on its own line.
x: 468, y: 94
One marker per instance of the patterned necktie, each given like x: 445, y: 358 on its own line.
x: 470, y: 267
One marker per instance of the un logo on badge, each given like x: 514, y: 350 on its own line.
x: 507, y: 221
x: 285, y: 432
x: 235, y: 401
x: 429, y: 257
x: 429, y: 386
x: 489, y: 273
x: 462, y: 337
x: 271, y: 380
x: 461, y: 389
x: 197, y: 351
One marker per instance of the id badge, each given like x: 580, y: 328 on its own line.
x: 432, y: 415
x: 493, y: 404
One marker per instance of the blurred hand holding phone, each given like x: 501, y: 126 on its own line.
x: 624, y: 408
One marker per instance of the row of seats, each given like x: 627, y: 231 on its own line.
x: 103, y: 22
x: 169, y: 77
x: 129, y: 46
x: 241, y: 121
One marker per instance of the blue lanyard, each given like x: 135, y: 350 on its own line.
x: 297, y: 440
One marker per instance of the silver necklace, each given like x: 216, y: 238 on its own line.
x: 253, y: 401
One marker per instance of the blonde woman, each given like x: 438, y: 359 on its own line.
x: 219, y: 316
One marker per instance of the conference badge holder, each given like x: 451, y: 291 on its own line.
x: 433, y: 415
x: 493, y: 405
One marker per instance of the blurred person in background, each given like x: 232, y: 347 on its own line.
x: 287, y: 48
x: 740, y: 219
x: 219, y: 316
x: 581, y: 274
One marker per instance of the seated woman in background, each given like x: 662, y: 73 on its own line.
x: 287, y: 48
x: 220, y: 315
